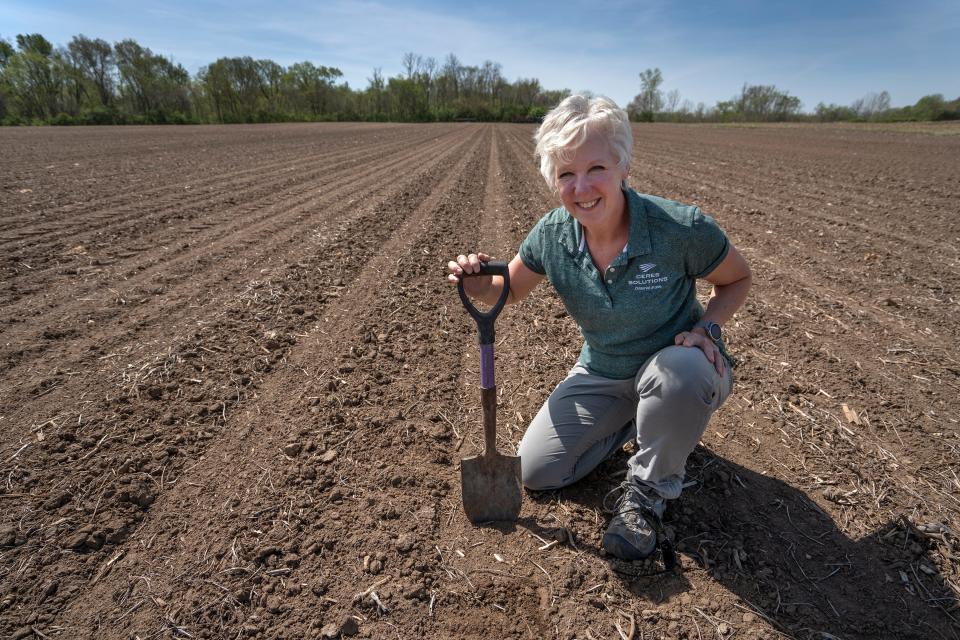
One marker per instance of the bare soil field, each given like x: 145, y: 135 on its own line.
x: 235, y: 388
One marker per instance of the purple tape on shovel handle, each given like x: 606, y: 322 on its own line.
x: 486, y: 366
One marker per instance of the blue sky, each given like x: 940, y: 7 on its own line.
x: 819, y: 51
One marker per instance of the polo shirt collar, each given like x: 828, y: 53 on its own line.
x: 639, y: 239
x: 571, y: 234
x: 639, y: 243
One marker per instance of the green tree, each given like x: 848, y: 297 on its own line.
x: 765, y: 103
x: 525, y: 93
x: 35, y: 43
x: 6, y: 52
x: 312, y: 86
x: 216, y: 88
x: 376, y: 91
x: 649, y: 101
x: 32, y: 78
x: 447, y: 83
x: 408, y: 100
x: 92, y: 81
x: 726, y: 110
x: 834, y: 113
x: 96, y: 61
x: 931, y: 107
x: 137, y: 75
x: 75, y: 88
x: 153, y: 85
x: 271, y: 85
x: 6, y: 90
x: 872, y: 105
x: 241, y: 88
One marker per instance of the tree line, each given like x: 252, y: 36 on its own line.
x: 91, y: 81
x: 767, y: 103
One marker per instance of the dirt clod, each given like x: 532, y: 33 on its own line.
x: 349, y: 626
x: 21, y: 633
x: 275, y: 604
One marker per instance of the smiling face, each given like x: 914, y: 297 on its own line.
x: 589, y: 180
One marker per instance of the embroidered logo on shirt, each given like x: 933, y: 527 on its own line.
x: 648, y: 279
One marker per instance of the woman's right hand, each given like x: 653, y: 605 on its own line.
x: 477, y: 287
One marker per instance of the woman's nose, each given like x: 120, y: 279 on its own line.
x: 581, y: 184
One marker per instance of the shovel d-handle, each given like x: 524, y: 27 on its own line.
x: 485, y: 319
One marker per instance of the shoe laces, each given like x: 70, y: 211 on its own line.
x: 644, y: 503
x: 622, y: 493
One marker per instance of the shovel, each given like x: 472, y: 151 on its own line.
x: 491, y: 481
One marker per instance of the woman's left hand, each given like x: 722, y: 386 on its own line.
x: 705, y: 344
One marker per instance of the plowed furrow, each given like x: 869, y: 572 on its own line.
x: 814, y: 206
x: 894, y: 424
x: 356, y: 240
x: 182, y: 171
x: 119, y: 197
x: 180, y: 273
x: 390, y: 263
x: 255, y: 185
x: 856, y: 185
x: 274, y: 236
x: 342, y: 236
x: 252, y: 205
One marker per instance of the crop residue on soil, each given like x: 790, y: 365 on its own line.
x: 235, y: 388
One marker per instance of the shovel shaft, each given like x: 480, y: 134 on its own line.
x: 487, y: 379
x: 488, y: 398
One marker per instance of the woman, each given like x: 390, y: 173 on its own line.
x: 652, y: 366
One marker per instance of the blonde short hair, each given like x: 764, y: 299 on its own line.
x: 567, y: 125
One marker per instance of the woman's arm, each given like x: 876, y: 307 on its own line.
x: 488, y: 288
x: 731, y: 282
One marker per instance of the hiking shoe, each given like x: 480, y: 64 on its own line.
x: 630, y: 535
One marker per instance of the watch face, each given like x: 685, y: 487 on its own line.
x: 713, y: 329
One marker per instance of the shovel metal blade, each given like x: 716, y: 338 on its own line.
x: 491, y: 487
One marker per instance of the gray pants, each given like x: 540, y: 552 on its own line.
x: 587, y: 418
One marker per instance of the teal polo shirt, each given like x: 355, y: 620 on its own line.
x: 648, y: 294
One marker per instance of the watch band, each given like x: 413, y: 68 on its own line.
x: 714, y: 332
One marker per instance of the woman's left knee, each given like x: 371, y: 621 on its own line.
x: 683, y: 372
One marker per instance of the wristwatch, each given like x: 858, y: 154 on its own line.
x: 712, y: 329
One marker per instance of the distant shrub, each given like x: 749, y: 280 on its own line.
x: 444, y: 114
x: 99, y: 115
x: 537, y: 113
x: 179, y: 117
x: 269, y: 116
x: 951, y: 110
x: 834, y: 112
x: 63, y: 120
